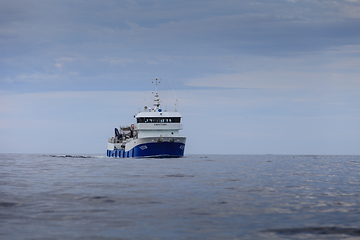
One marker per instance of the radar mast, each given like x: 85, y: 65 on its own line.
x: 157, y: 100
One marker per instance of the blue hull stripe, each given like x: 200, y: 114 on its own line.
x: 164, y: 149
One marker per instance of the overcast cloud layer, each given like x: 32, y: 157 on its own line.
x: 261, y: 77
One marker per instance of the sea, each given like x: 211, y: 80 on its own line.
x: 55, y: 196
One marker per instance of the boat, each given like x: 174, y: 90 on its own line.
x: 155, y: 134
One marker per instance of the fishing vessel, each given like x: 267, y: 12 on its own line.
x: 155, y: 134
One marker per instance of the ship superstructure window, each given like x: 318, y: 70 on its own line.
x: 158, y: 120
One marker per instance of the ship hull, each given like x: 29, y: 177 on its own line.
x: 151, y: 149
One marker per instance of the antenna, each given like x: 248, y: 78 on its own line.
x: 176, y: 99
x: 156, y: 82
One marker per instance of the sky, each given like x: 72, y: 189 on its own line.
x: 249, y: 76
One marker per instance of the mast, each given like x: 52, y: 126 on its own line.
x: 157, y: 100
x: 156, y: 82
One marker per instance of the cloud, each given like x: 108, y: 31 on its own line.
x: 276, y: 80
x: 117, y: 61
x: 351, y: 11
x: 283, y: 62
x: 36, y: 77
x: 330, y: 69
x: 261, y: 26
x: 248, y: 117
x: 279, y: 80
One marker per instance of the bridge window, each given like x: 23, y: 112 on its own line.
x: 158, y: 120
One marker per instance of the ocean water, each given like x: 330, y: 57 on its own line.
x: 195, y: 197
